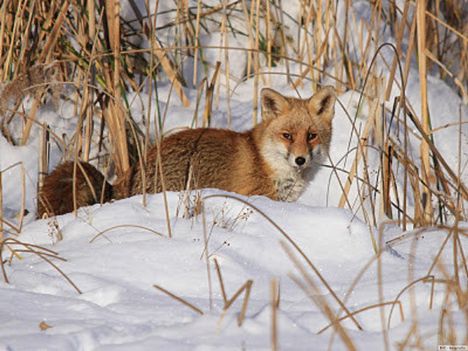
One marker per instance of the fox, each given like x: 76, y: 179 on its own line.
x: 270, y: 160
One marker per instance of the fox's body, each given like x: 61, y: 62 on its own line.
x: 268, y: 160
x: 203, y: 158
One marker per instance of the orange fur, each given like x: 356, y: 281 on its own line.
x: 56, y: 194
x: 268, y: 160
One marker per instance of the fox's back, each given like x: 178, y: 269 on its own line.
x: 203, y: 158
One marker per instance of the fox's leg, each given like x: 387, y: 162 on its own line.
x: 289, y: 189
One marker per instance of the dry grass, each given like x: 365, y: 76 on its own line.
x: 179, y: 299
x: 16, y: 248
x: 91, y: 56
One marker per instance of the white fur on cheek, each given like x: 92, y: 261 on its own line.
x: 275, y: 155
x: 319, y: 154
x: 289, y: 181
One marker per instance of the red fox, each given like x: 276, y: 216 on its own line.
x: 268, y: 160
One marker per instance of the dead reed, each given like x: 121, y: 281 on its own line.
x: 95, y: 59
x: 17, y: 247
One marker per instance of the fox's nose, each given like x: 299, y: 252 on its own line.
x: 300, y: 160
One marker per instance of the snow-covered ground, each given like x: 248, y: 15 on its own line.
x: 117, y: 252
x: 120, y: 309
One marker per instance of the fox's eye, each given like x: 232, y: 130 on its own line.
x: 287, y: 136
x: 311, y: 136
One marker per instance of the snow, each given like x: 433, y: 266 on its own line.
x: 120, y: 309
x: 117, y: 252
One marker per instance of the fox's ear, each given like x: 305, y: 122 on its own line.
x: 323, y: 102
x: 273, y: 103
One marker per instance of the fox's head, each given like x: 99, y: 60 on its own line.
x: 296, y: 131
